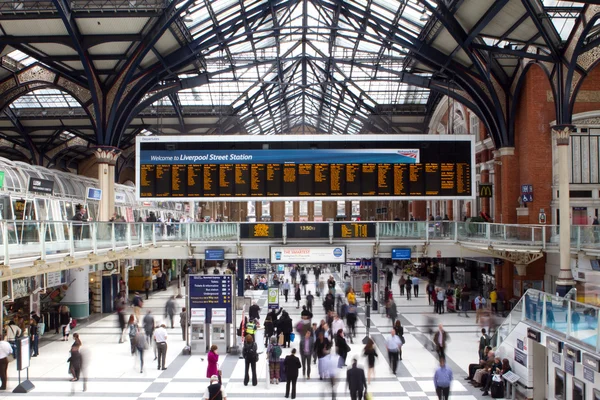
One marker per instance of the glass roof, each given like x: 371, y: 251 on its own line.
x: 45, y: 98
x: 562, y: 21
x: 283, y: 64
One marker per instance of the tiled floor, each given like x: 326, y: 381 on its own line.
x: 114, y: 373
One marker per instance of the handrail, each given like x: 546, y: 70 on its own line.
x: 24, y: 237
x: 565, y: 317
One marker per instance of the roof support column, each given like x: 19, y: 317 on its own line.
x: 565, y: 280
x: 106, y: 158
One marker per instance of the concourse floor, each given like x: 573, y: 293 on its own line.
x: 114, y: 373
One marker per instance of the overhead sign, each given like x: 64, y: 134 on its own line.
x: 255, y: 266
x: 261, y: 231
x: 273, y: 294
x: 401, y: 254
x: 486, y: 190
x: 38, y: 185
x: 211, y: 292
x: 307, y: 230
x: 308, y: 255
x: 304, y: 166
x: 554, y: 344
x: 94, y: 194
x: 214, y: 254
x: 120, y: 197
x: 527, y: 193
x: 591, y: 362
x: 534, y: 334
x: 573, y: 353
x: 354, y: 230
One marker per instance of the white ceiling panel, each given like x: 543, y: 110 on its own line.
x: 111, y: 26
x: 38, y: 27
x: 445, y: 42
x: 105, y: 64
x: 74, y: 64
x: 148, y: 60
x: 504, y: 19
x: 55, y: 49
x: 471, y: 11
x: 166, y: 44
x: 110, y: 48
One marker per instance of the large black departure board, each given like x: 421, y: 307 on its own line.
x: 169, y: 168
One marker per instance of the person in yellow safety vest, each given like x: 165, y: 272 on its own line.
x: 351, y: 296
x: 251, y: 328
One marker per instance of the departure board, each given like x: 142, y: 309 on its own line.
x: 308, y: 230
x: 352, y: 230
x: 215, y: 168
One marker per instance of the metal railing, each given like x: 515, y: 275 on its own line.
x: 566, y: 318
x: 25, y: 238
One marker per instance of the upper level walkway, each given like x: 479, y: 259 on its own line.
x: 25, y: 242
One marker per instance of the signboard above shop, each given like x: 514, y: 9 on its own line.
x: 308, y: 255
x: 37, y: 185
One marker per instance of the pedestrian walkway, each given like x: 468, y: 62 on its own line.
x: 114, y: 373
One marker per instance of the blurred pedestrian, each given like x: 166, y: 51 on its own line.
x: 400, y: 333
x: 342, y: 347
x: 309, y: 301
x: 148, y: 325
x: 442, y: 379
x: 75, y: 359
x: 65, y: 322
x: 297, y: 296
x: 147, y: 286
x: 392, y: 311
x: 284, y: 325
x: 306, y: 350
x: 160, y: 336
x: 440, y: 340
x: 393, y: 345
x: 141, y: 344
x: 286, y: 289
x: 269, y: 329
x: 132, y: 330
x: 367, y: 292
x: 5, y: 350
x: 34, y: 337
x: 183, y: 321
x: 137, y: 303
x: 292, y: 366
x: 274, y: 354
x: 355, y: 379
x: 370, y: 352
x: 250, y: 354
x: 170, y: 308
x: 322, y: 346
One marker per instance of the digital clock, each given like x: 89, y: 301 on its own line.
x: 300, y: 230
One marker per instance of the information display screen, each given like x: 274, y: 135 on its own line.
x: 308, y: 230
x: 353, y: 230
x: 261, y: 231
x: 417, y: 166
x: 211, y: 292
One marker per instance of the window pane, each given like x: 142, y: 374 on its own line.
x: 341, y: 207
x: 318, y: 208
x: 304, y: 208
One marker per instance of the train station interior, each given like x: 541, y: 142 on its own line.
x: 430, y: 162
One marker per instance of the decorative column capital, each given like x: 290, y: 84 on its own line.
x: 107, y: 155
x: 562, y: 134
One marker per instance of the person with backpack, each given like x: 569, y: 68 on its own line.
x: 250, y: 354
x: 274, y: 354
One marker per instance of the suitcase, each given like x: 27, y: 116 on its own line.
x: 187, y: 350
x: 282, y: 374
x: 497, y: 390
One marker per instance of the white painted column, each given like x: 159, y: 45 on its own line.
x: 565, y: 277
x: 106, y: 160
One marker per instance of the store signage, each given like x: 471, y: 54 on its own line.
x: 570, y: 366
x: 556, y: 359
x: 55, y: 279
x: 534, y: 335
x: 527, y: 193
x: 520, y: 344
x: 37, y: 185
x: 485, y: 190
x: 214, y: 254
x: 303, y: 255
x: 273, y: 295
x: 553, y: 344
x: 20, y: 288
x: 211, y: 292
x: 591, y: 362
x: 94, y: 194
x: 573, y: 353
x: 120, y: 197
x: 588, y: 374
x: 401, y: 254
x: 521, y: 357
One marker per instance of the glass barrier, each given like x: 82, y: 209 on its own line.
x: 402, y: 230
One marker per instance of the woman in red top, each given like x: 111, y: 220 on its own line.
x: 213, y: 359
x: 367, y: 291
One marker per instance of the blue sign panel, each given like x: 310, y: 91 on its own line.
x: 401, y: 254
x: 255, y: 266
x: 211, y: 292
x: 94, y: 194
x: 214, y: 254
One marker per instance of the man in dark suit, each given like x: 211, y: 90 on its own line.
x: 357, y: 383
x: 439, y: 339
x: 292, y: 366
x: 484, y: 341
x: 307, y: 343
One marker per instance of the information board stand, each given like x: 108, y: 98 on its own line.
x: 511, y: 380
x: 23, y: 357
